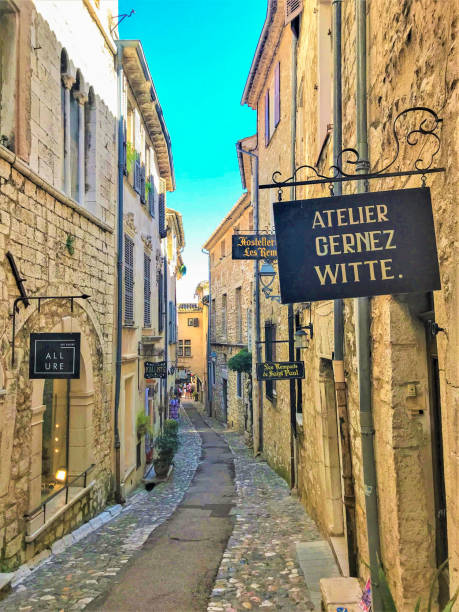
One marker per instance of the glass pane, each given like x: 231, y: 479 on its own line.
x: 54, y: 441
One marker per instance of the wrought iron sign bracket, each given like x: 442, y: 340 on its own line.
x: 426, y: 129
x: 84, y: 296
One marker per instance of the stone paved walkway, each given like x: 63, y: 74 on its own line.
x: 260, y: 568
x: 73, y: 578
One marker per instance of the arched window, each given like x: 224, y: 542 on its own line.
x: 75, y: 140
x: 90, y: 138
x: 64, y: 149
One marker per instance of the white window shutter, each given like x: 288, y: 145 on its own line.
x: 292, y: 9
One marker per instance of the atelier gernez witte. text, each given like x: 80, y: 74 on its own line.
x: 354, y: 242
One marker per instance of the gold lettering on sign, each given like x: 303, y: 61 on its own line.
x: 367, y: 241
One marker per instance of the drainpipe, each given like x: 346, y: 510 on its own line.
x: 363, y: 337
x: 256, y: 267
x: 119, y: 272
x: 166, y: 335
x: 338, y: 318
x: 209, y: 314
x: 290, y: 311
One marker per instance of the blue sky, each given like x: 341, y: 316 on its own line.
x: 199, y: 54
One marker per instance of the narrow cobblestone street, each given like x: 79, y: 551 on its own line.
x: 259, y: 568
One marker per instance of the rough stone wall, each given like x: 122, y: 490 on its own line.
x: 412, y: 61
x: 34, y: 228
x: 46, y: 120
x: 227, y: 275
x: 275, y: 156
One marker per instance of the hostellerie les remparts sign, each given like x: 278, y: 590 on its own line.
x: 356, y: 245
x: 252, y: 246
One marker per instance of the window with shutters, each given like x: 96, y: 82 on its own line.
x: 238, y: 316
x: 180, y: 348
x: 128, y: 281
x: 270, y: 355
x: 239, y: 384
x: 172, y: 324
x: 142, y: 185
x: 272, y: 105
x: 187, y: 348
x: 190, y: 322
x: 223, y: 315
x: 162, y: 215
x: 151, y: 196
x: 137, y: 174
x: 292, y: 9
x: 196, y: 322
x: 160, y: 302
x: 146, y: 291
x: 213, y: 319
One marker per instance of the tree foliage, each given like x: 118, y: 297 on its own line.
x: 241, y: 362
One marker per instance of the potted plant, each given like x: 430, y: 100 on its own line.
x: 166, y: 445
x: 143, y: 426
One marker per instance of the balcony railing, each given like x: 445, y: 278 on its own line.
x: 64, y: 492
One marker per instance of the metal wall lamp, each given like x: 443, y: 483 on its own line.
x: 302, y: 337
x: 83, y: 296
x: 267, y: 275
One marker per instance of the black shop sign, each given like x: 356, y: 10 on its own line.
x: 155, y: 369
x: 54, y: 356
x: 280, y: 370
x: 250, y: 246
x: 356, y: 245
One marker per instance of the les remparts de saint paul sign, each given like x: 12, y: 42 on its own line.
x: 356, y: 245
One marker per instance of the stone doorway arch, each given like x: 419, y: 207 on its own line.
x: 78, y: 408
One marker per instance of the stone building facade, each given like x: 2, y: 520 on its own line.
x: 192, y: 341
x: 58, y: 170
x: 411, y: 61
x: 148, y: 175
x: 231, y: 290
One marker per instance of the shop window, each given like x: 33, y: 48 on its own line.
x: 54, y: 457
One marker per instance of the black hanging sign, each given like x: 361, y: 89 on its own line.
x: 280, y: 370
x: 254, y: 246
x: 155, y: 369
x: 356, y: 245
x: 54, y: 356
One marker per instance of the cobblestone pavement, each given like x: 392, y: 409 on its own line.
x: 259, y: 568
x: 73, y: 578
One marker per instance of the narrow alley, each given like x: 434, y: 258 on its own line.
x: 219, y: 535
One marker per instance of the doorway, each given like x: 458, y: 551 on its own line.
x: 438, y: 470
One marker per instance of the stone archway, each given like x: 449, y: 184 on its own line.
x: 80, y: 416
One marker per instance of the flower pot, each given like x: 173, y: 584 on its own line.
x: 161, y: 467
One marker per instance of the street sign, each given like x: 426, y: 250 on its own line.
x: 54, y: 356
x: 280, y: 370
x: 356, y: 245
x: 254, y: 246
x: 155, y: 369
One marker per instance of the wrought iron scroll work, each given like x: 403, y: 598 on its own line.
x: 427, y: 128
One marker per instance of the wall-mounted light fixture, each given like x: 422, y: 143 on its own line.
x: 267, y: 275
